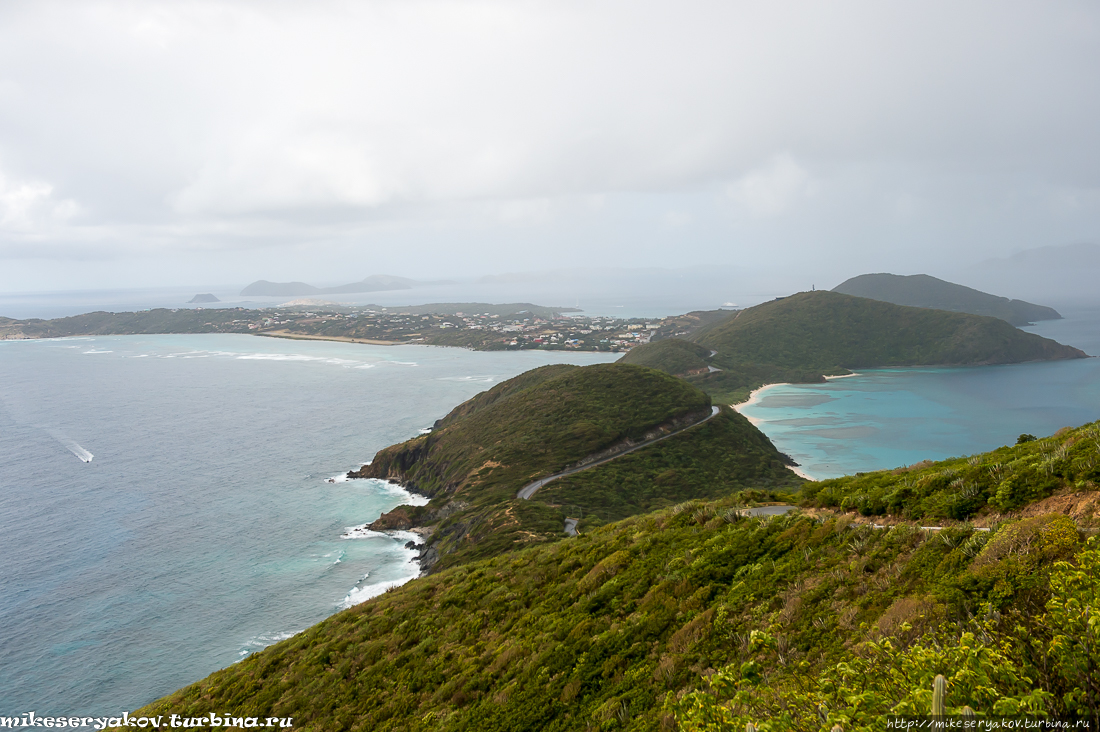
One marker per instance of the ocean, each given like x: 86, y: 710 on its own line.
x: 169, y: 504
x: 886, y: 418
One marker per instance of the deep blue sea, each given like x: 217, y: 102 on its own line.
x: 204, y: 526
x: 886, y: 418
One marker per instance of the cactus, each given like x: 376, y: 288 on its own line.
x: 939, y: 691
x: 837, y: 728
x: 750, y: 727
x: 968, y: 712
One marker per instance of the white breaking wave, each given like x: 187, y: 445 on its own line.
x: 363, y: 592
x: 259, y: 642
x: 95, y: 351
x: 359, y: 532
x: 393, y: 489
x: 367, y: 592
x: 483, y: 379
x: 345, y: 362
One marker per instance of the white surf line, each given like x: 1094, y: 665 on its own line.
x: 531, y: 488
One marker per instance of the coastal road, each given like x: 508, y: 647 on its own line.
x: 531, y: 488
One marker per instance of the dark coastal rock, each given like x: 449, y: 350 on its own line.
x: 396, y: 520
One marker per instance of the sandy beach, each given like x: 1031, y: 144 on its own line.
x: 755, y: 396
x: 341, y: 339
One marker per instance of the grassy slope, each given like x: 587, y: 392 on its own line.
x: 594, y: 632
x: 806, y: 336
x: 503, y: 390
x: 962, y: 488
x: 924, y: 291
x: 718, y: 459
x: 536, y: 430
x: 672, y: 356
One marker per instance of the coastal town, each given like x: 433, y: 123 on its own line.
x: 478, y: 326
x: 483, y: 330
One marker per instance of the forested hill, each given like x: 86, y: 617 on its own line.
x: 925, y: 291
x: 479, y: 456
x: 697, y: 618
x: 809, y: 335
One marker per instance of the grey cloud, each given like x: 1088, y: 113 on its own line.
x: 893, y: 131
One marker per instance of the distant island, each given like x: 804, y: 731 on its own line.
x: 374, y: 283
x: 204, y: 297
x: 925, y: 291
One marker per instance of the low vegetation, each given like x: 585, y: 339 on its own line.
x: 724, y: 457
x: 699, y: 618
x: 672, y: 355
x: 962, y: 489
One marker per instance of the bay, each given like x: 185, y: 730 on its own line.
x: 205, y: 525
x: 886, y: 418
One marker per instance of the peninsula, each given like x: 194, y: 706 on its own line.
x: 810, y: 335
x: 557, y: 419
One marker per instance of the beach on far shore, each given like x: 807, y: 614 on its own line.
x: 339, y: 339
x: 755, y: 396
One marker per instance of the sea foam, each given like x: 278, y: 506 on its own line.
x: 410, y: 570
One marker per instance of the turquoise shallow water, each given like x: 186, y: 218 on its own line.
x: 892, y: 417
x: 205, y: 526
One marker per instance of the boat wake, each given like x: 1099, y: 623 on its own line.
x: 83, y: 455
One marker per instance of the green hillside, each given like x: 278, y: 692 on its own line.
x: 727, y: 456
x: 532, y: 426
x: 695, y: 617
x: 925, y: 291
x: 672, y: 355
x: 539, y: 428
x: 962, y: 488
x: 809, y: 335
x: 158, y: 320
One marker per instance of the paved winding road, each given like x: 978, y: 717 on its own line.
x: 531, y: 488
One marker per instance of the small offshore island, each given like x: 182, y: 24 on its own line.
x: 639, y: 591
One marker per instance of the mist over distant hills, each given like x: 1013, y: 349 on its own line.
x: 1054, y: 273
x: 374, y: 283
x: 925, y: 291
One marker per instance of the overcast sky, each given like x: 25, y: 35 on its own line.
x: 146, y: 143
